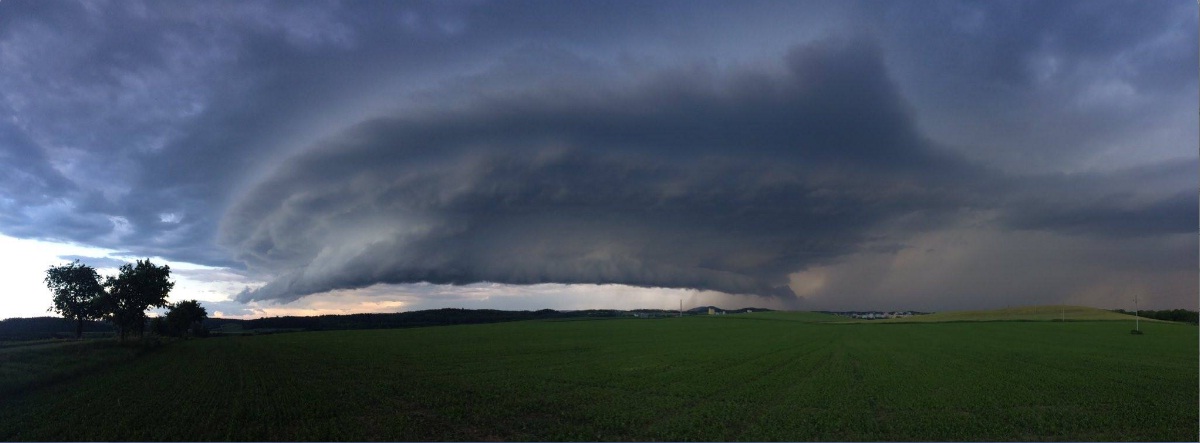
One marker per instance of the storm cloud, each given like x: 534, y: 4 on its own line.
x: 794, y: 150
x: 691, y: 180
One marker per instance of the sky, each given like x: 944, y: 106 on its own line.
x: 299, y: 158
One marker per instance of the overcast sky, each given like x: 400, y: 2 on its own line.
x: 326, y: 157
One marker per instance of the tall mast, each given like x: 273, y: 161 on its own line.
x: 1137, y: 321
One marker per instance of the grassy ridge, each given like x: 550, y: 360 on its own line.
x: 698, y: 378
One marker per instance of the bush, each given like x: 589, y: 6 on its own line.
x: 198, y: 330
x: 159, y: 326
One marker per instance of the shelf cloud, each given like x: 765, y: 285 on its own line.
x: 818, y: 154
x: 687, y: 181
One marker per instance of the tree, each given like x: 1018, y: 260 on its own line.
x: 186, y: 317
x: 158, y: 326
x: 76, y: 288
x: 134, y: 290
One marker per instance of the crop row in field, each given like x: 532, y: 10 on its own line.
x: 744, y: 377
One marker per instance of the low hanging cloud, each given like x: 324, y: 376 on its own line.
x: 1149, y: 200
x: 692, y: 179
x: 725, y: 184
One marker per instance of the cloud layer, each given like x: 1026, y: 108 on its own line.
x: 690, y: 180
x: 749, y: 148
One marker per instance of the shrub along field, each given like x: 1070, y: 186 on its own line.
x: 763, y: 376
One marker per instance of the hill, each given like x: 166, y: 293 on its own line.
x: 1024, y: 313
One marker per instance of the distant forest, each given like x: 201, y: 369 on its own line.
x: 50, y: 327
x: 57, y: 327
x: 1179, y: 315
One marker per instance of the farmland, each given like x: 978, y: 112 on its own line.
x: 760, y: 376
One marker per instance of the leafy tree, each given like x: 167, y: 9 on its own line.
x: 135, y: 289
x: 186, y: 317
x: 158, y: 325
x: 76, y: 288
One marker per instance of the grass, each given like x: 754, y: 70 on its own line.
x: 32, y: 364
x: 762, y: 376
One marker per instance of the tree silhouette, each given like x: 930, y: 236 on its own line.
x: 185, y: 317
x: 134, y: 290
x: 76, y: 288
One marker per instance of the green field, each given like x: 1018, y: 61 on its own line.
x: 763, y: 376
x: 28, y: 365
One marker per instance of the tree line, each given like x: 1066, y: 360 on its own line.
x: 34, y: 328
x: 1179, y: 315
x: 80, y: 294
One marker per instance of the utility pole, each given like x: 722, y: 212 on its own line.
x: 681, y: 308
x: 1137, y: 321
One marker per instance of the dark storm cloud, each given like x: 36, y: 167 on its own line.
x: 1176, y: 214
x: 161, y: 111
x: 25, y: 167
x: 999, y: 43
x: 1157, y: 199
x: 1050, y: 86
x: 37, y: 195
x: 691, y: 179
x: 339, y: 145
x: 97, y: 262
x: 726, y: 184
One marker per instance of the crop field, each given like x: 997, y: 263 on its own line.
x: 763, y: 376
